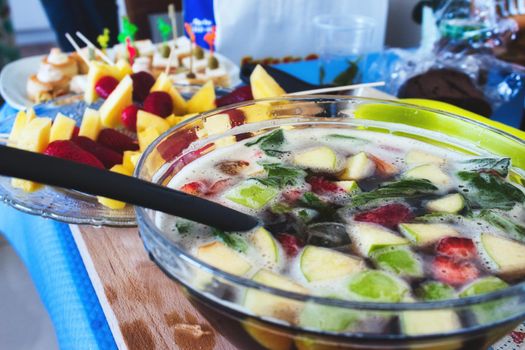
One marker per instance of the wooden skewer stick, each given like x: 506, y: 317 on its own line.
x: 170, y: 58
x: 77, y: 48
x: 173, y: 20
x: 97, y: 50
x: 336, y: 88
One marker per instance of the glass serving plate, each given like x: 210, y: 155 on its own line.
x: 67, y: 205
x: 210, y: 290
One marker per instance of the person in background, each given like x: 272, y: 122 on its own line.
x: 87, y: 16
x: 8, y: 50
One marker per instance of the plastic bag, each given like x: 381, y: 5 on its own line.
x: 460, y: 68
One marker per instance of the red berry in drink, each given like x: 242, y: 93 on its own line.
x: 66, y: 149
x: 290, y: 244
x: 142, y: 83
x: 243, y: 93
x: 292, y: 195
x: 383, y: 168
x: 159, y: 103
x: 117, y: 141
x: 460, y: 248
x: 195, y: 188
x: 218, y: 187
x: 321, y: 185
x: 105, y: 86
x: 129, y: 117
x: 452, y: 271
x: 106, y: 155
x: 389, y: 215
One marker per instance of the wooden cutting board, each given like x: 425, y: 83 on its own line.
x: 144, y: 308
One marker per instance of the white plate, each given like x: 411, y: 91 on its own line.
x: 14, y: 76
x: 13, y: 81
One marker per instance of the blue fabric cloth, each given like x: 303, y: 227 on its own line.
x: 48, y: 250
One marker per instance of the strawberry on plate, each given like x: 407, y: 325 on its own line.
x: 105, y: 86
x: 66, y: 149
x: 389, y: 215
x: 460, y: 248
x: 158, y: 103
x: 106, y: 155
x: 116, y: 140
x: 452, y: 271
x: 129, y: 117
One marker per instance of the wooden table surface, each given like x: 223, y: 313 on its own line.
x: 145, y: 309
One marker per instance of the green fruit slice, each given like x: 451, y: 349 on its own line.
x: 320, y: 158
x: 358, y: 167
x: 436, y: 291
x: 429, y: 322
x: 400, y: 261
x: 217, y: 254
x: 320, y: 264
x: 482, y: 286
x: 327, y: 318
x: 265, y: 244
x: 452, y: 203
x: 427, y: 234
x: 508, y: 255
x: 430, y: 172
x: 368, y: 238
x: 377, y: 285
x: 265, y: 304
x: 252, y: 194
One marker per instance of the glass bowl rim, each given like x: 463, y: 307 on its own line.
x: 144, y: 219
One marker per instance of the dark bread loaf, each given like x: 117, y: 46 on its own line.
x: 447, y: 85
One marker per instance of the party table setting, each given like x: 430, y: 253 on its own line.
x: 187, y: 194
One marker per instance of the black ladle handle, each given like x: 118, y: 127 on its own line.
x: 67, y: 174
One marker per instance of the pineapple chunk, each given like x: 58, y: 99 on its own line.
x: 120, y: 98
x: 163, y: 83
x: 22, y: 119
x: 90, y: 126
x: 62, y: 128
x: 203, y: 100
x: 130, y: 159
x: 263, y: 85
x: 146, y: 137
x: 96, y: 71
x: 26, y: 185
x: 112, y: 203
x: 147, y: 120
x: 35, y: 136
x: 123, y: 68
